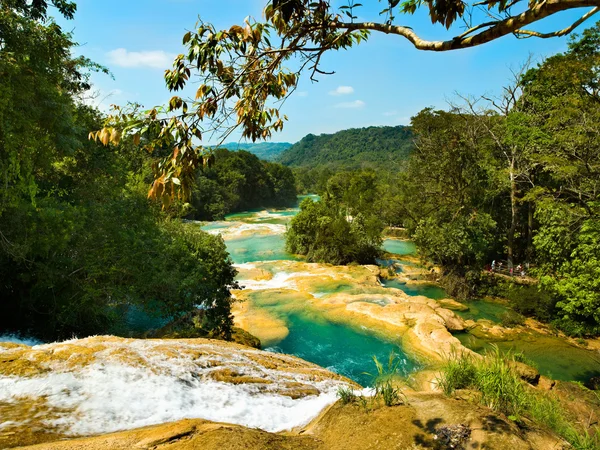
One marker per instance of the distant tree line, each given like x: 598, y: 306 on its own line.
x: 372, y: 147
x: 239, y: 181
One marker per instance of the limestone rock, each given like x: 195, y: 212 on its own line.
x: 453, y: 305
x: 526, y: 372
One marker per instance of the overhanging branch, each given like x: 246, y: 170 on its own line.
x: 496, y: 29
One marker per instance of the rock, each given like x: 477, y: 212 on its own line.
x: 453, y: 305
x: 426, y: 418
x: 470, y: 323
x: 240, y: 336
x: 451, y: 320
x: 593, y: 384
x: 526, y: 372
x: 545, y: 383
x: 104, y: 384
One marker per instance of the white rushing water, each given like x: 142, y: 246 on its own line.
x: 240, y: 229
x: 135, y: 383
x: 15, y: 339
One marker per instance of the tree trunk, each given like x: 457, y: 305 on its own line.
x: 513, y: 211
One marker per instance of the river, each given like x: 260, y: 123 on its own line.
x: 279, y: 305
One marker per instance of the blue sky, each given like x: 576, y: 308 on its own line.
x: 382, y: 82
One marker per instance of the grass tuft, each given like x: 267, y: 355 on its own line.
x: 500, y: 388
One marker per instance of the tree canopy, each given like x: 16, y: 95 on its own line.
x: 519, y: 182
x: 246, y: 71
x: 81, y: 247
x: 343, y: 226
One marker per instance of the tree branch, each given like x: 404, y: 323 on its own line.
x: 501, y: 28
x: 562, y: 32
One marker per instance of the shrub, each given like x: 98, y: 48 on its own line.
x: 512, y: 319
x: 459, y: 372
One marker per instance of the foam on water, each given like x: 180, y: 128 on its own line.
x: 240, y: 229
x: 14, y: 339
x: 281, y: 280
x: 110, y: 394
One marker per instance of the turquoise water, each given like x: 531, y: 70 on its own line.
x: 399, y: 247
x: 428, y: 290
x: 482, y: 309
x: 339, y: 348
x: 349, y: 351
x: 552, y: 356
x: 258, y: 248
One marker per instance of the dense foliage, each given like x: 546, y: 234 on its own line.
x: 371, y: 147
x: 239, y: 181
x: 80, y: 245
x: 268, y: 151
x: 520, y: 182
x: 342, y: 227
x: 244, y: 73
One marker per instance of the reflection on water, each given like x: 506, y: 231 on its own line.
x: 428, y: 290
x: 482, y: 309
x: 399, y: 247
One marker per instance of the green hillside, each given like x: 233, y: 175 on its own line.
x: 268, y: 151
x: 351, y: 149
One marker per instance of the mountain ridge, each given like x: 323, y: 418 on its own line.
x: 351, y: 148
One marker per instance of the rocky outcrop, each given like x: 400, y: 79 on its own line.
x: 421, y: 423
x: 105, y: 384
x: 344, y: 294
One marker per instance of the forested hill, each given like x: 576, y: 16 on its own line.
x: 354, y: 148
x: 269, y: 151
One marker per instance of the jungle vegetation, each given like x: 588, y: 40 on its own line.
x: 80, y: 243
x: 239, y: 181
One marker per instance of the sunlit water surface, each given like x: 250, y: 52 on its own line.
x: 349, y: 351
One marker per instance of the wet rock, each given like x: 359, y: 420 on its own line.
x: 240, y: 336
x: 104, y: 384
x: 453, y: 305
x: 451, y: 320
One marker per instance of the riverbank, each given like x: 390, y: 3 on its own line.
x: 226, y: 396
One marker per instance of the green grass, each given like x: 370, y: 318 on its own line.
x: 385, y: 381
x: 500, y: 388
x: 346, y: 395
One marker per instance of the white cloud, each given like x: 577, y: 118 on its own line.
x: 342, y: 90
x: 302, y: 94
x: 156, y: 59
x: 390, y: 113
x: 351, y: 105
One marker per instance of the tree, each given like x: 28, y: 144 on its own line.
x: 448, y: 194
x: 244, y: 75
x: 562, y: 100
x: 81, y: 247
x: 342, y: 227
